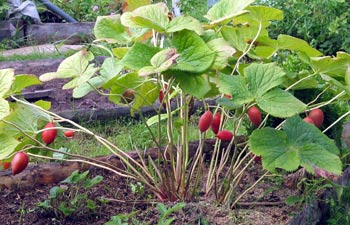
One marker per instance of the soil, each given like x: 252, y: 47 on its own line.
x: 263, y: 205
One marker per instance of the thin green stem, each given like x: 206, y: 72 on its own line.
x: 335, y: 122
x: 250, y: 46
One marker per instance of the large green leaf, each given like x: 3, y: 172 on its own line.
x: 261, y: 14
x: 110, y: 29
x: 331, y: 66
x: 85, y: 88
x: 315, y: 155
x: 301, y: 132
x: 120, y: 83
x: 275, y: 149
x: 225, y: 10
x: 195, y: 55
x: 280, y: 103
x: 235, y: 86
x: 4, y: 108
x: 240, y: 36
x: 185, y: 22
x: 153, y: 16
x: 161, y: 61
x: 22, y: 81
x: 223, y: 51
x: 72, y: 67
x: 7, y: 77
x: 263, y: 77
x: 82, y: 78
x: 109, y: 69
x: 139, y: 56
x: 298, y: 144
x: 26, y: 117
x: 196, y: 85
x: 8, y: 145
x: 147, y: 94
x: 292, y: 43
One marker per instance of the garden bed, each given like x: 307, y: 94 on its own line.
x: 263, y: 205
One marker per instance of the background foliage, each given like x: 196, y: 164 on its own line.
x: 322, y: 23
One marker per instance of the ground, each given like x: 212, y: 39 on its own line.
x: 264, y: 205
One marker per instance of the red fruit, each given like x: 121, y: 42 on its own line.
x: 49, y: 136
x: 228, y: 96
x: 215, y: 124
x: 205, y: 121
x: 308, y: 120
x: 225, y: 135
x: 254, y: 115
x: 317, y: 116
x: 161, y: 97
x: 257, y: 159
x: 19, y: 162
x: 5, y: 165
x: 69, y: 133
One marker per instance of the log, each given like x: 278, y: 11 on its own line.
x: 70, y: 33
x: 52, y: 172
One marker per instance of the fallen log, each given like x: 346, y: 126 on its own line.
x: 54, y: 172
x: 70, y: 33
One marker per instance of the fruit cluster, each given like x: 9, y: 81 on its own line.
x: 21, y: 159
x: 207, y: 120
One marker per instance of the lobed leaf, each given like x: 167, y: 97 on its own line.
x: 110, y: 29
x: 7, y: 76
x: 280, y: 103
x: 298, y: 144
x: 195, y: 55
x: 225, y: 10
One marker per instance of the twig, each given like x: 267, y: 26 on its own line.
x: 260, y: 203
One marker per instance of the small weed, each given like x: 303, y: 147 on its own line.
x: 166, y: 212
x: 71, y: 198
x: 124, y: 219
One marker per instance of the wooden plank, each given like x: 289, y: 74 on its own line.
x: 69, y: 32
x: 37, y: 94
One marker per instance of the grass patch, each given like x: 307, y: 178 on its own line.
x: 127, y: 133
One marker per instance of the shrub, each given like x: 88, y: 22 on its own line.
x: 322, y: 23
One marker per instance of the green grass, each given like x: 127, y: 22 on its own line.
x: 35, y: 56
x: 128, y: 134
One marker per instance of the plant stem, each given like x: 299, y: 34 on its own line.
x: 248, y: 49
x: 335, y: 122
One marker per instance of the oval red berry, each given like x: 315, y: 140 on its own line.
x: 19, y: 162
x: 215, y: 124
x: 225, y: 135
x: 48, y: 136
x: 317, y: 116
x: 205, y: 121
x: 254, y: 115
x: 69, y: 133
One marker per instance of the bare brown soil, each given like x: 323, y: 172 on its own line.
x: 264, y: 205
